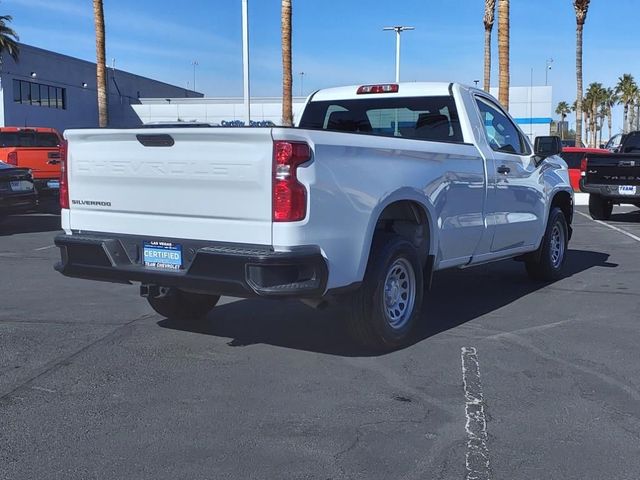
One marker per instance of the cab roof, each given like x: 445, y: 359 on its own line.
x: 28, y: 129
x: 405, y: 89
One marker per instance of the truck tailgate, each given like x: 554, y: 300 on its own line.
x: 44, y: 162
x: 192, y: 183
x: 613, y: 169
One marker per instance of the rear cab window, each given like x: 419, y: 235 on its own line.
x: 28, y: 139
x: 631, y: 143
x: 573, y: 159
x: 420, y: 118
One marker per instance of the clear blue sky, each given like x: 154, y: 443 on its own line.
x: 335, y: 41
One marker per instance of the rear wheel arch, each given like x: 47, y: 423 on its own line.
x: 409, y: 219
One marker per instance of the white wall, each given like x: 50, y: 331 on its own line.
x: 531, y: 107
x: 216, y: 111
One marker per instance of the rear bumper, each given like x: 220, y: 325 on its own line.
x: 240, y: 271
x: 17, y: 203
x: 47, y: 186
x: 610, y: 192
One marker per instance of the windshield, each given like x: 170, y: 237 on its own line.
x: 28, y: 139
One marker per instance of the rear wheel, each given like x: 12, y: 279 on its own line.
x: 178, y: 304
x: 384, y: 312
x: 550, y: 259
x: 600, y: 208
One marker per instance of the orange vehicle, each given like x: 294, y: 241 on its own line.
x: 35, y: 148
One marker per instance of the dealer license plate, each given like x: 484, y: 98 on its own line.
x: 163, y: 255
x: 21, y: 185
x: 627, y: 189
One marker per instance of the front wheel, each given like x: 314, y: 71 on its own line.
x: 547, y: 265
x: 384, y: 312
x: 178, y: 304
x: 599, y: 207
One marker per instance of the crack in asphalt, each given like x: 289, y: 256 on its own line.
x: 56, y: 364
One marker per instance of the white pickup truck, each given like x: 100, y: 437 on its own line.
x: 376, y: 187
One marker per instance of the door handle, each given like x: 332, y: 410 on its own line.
x: 53, y: 162
x: 503, y: 169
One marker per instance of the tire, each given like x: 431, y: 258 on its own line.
x: 384, y: 312
x: 599, y: 207
x: 180, y: 305
x: 553, y: 250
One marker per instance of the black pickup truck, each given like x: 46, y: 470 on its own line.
x: 613, y: 178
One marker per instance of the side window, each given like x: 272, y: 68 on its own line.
x: 502, y: 134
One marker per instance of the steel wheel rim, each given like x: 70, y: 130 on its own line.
x: 557, y: 246
x: 399, y: 294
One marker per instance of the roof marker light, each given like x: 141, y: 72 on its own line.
x: 384, y: 88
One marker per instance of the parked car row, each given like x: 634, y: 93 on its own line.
x: 17, y: 192
x: 30, y: 162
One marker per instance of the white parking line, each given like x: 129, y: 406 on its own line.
x: 477, y: 457
x: 43, y: 248
x: 612, y: 227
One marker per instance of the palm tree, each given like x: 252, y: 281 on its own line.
x: 8, y: 38
x: 633, y: 117
x: 563, y: 109
x: 503, y: 52
x: 489, y: 16
x: 609, y: 102
x: 101, y: 66
x: 594, y: 98
x: 287, y: 76
x: 581, y: 7
x: 626, y: 89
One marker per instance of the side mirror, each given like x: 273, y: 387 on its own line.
x: 602, y: 145
x: 544, y: 147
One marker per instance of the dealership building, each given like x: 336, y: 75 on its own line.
x: 47, y: 89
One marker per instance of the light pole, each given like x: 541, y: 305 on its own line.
x: 398, y: 29
x: 546, y: 71
x: 245, y: 61
x: 302, y: 84
x: 195, y: 64
x: 531, y: 105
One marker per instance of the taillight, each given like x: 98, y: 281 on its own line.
x: 64, y: 181
x: 583, y: 167
x: 12, y: 158
x: 289, y: 195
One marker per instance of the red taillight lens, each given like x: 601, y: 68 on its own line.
x: 583, y: 167
x: 64, y: 180
x: 12, y: 158
x: 289, y: 195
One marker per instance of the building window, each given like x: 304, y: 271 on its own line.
x: 31, y: 93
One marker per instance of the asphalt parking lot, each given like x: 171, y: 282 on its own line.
x: 93, y: 384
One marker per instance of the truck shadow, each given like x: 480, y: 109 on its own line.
x: 456, y: 298
x: 627, y: 217
x: 29, y: 223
